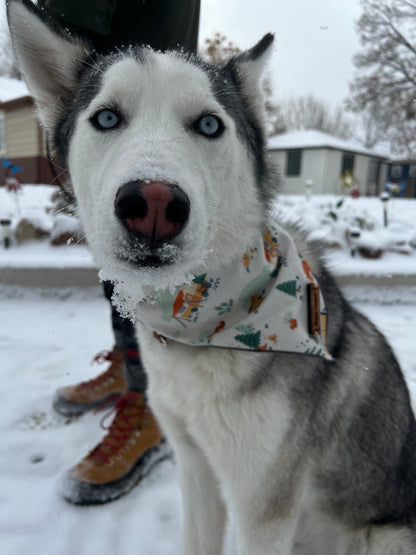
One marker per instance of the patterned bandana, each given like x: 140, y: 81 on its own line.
x: 267, y: 300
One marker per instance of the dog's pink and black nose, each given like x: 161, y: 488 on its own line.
x: 152, y: 210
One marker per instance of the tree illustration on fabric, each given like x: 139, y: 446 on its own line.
x: 288, y: 287
x: 251, y: 340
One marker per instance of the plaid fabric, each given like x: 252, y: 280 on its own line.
x: 125, y: 336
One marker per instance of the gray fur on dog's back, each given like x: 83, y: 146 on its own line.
x: 357, y: 423
x: 362, y: 410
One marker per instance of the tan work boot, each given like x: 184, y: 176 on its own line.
x: 108, y: 386
x: 132, y: 446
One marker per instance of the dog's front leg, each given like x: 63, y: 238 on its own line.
x: 273, y: 538
x: 266, y: 519
x: 204, y: 511
x: 203, y: 508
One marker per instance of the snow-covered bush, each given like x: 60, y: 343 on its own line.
x: 332, y: 219
x: 66, y: 230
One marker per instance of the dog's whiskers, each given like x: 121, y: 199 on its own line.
x: 222, y: 226
x: 67, y: 209
x: 78, y: 237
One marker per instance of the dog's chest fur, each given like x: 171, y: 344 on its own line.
x: 207, y: 397
x: 207, y: 391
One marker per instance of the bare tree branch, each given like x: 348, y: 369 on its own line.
x: 384, y: 87
x: 307, y: 112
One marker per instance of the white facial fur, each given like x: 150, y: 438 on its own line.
x: 160, y: 98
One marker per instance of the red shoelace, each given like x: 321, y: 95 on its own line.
x: 127, y: 416
x: 100, y: 358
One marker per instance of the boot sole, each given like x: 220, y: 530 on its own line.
x: 70, y: 408
x: 87, y: 493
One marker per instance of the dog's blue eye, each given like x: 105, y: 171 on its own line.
x: 210, y: 126
x: 105, y: 119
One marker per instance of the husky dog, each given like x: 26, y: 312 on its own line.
x: 305, y: 454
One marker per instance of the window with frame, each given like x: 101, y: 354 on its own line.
x: 412, y: 170
x: 294, y: 162
x: 348, y: 160
x: 396, y: 171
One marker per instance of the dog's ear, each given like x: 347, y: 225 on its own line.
x: 251, y: 63
x: 49, y: 61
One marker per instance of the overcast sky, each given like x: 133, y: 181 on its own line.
x: 315, y: 40
x: 314, y: 46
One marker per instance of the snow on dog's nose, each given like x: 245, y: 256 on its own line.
x: 153, y: 211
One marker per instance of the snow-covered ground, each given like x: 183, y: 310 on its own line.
x: 47, y: 340
x: 48, y: 337
x: 331, y: 218
x: 321, y: 215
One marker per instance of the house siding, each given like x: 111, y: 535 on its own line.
x: 331, y: 177
x: 312, y: 167
x: 35, y: 169
x: 25, y: 143
x: 22, y: 133
x: 361, y: 169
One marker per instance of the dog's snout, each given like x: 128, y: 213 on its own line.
x: 153, y: 210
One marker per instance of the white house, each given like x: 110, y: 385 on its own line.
x: 328, y: 164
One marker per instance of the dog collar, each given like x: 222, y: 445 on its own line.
x: 265, y: 300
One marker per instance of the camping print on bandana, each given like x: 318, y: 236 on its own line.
x: 266, y: 300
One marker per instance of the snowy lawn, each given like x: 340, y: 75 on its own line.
x: 321, y: 215
x: 31, y: 201
x: 330, y: 218
x: 47, y: 340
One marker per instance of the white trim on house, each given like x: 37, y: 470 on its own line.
x: 310, y: 138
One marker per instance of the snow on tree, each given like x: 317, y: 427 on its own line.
x: 219, y: 50
x: 8, y: 66
x: 308, y: 112
x: 384, y: 87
